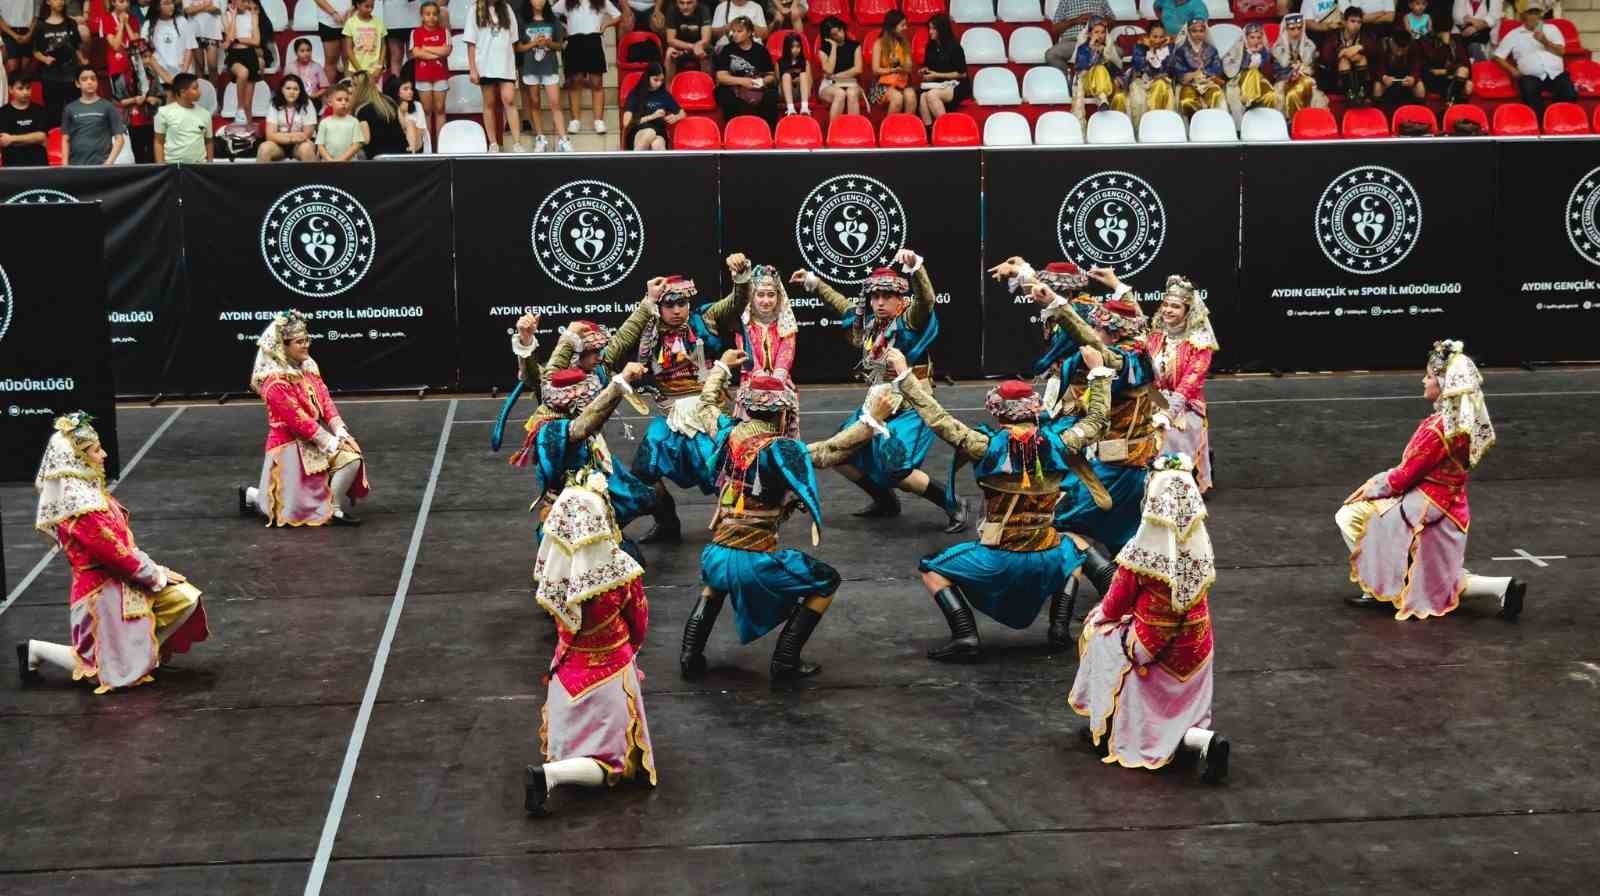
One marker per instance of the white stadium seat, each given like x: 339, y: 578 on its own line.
x: 458, y: 55
x: 1006, y: 129
x: 996, y: 86
x: 966, y: 12
x: 464, y: 97
x: 983, y: 46
x: 1212, y: 126
x: 260, y: 101
x: 1108, y: 126
x: 1219, y: 9
x: 208, y: 96
x: 1045, y: 86
x: 1147, y: 11
x: 1263, y: 125
x: 1162, y: 126
x: 1125, y: 10
x: 459, y: 11
x: 1057, y: 128
x: 1019, y: 11
x: 462, y: 136
x: 305, y: 17
x: 1028, y: 45
x: 277, y: 13
x: 1224, y: 36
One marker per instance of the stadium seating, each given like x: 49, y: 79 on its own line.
x: 1019, y: 11
x: 1027, y: 45
x: 1006, y: 129
x: 696, y: 133
x: 1057, y: 128
x: 1585, y: 74
x: 628, y: 41
x: 871, y: 12
x: 851, y: 132
x: 918, y: 12
x: 462, y: 136
x: 1464, y: 111
x: 983, y: 46
x: 997, y: 86
x: 1211, y: 126
x: 902, y: 131
x: 972, y: 12
x: 1413, y: 112
x: 747, y: 132
x: 1364, y: 123
x: 1108, y: 126
x: 1264, y: 125
x: 694, y: 91
x: 1314, y: 124
x: 798, y: 132
x: 1162, y: 126
x: 1045, y: 86
x: 956, y: 129
x: 1565, y: 119
x: 1515, y: 120
x: 1491, y: 82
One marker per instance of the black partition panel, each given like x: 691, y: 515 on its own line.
x: 52, y: 311
x: 1145, y: 212
x: 842, y: 214
x: 574, y: 237
x: 362, y: 249
x: 1549, y: 245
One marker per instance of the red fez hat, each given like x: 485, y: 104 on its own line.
x: 567, y: 376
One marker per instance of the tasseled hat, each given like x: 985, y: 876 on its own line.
x: 763, y: 394
x: 1119, y: 316
x: 678, y: 289
x: 1013, y: 401
x: 570, y: 389
x: 885, y: 280
x: 586, y: 336
x: 1063, y: 277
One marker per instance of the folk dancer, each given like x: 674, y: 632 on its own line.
x: 129, y: 614
x: 314, y: 470
x: 1144, y: 656
x: 767, y: 331
x: 1250, y: 69
x: 1294, y: 58
x: 1181, y: 348
x: 1196, y: 68
x: 883, y: 318
x: 1149, y: 86
x: 594, y: 730
x: 1406, y: 528
x: 1098, y: 67
x: 762, y: 476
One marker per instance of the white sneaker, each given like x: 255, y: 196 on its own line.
x: 240, y: 118
x: 540, y: 144
x: 573, y: 127
x: 516, y: 146
x: 599, y: 126
x: 564, y: 146
x: 494, y: 147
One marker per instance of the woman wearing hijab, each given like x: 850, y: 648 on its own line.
x: 649, y: 112
x: 1294, y: 58
x: 1250, y: 67
x: 1197, y: 69
x: 1181, y: 346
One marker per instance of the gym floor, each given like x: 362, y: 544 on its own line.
x: 360, y: 718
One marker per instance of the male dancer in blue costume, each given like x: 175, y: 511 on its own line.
x: 762, y: 477
x: 884, y: 318
x: 1019, y: 560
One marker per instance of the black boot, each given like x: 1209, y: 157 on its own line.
x: 1511, y: 602
x: 1355, y: 92
x: 786, y: 662
x: 534, y: 790
x: 955, y: 513
x: 344, y: 518
x: 963, y: 646
x: 245, y: 507
x: 24, y: 674
x: 1214, y: 762
x: 1059, y: 636
x: 884, y: 501
x: 1363, y: 600
x: 666, y: 528
x: 1099, y: 568
x: 1454, y: 91
x: 692, y: 660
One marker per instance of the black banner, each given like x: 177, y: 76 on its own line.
x: 570, y: 238
x: 1549, y: 245
x: 1363, y: 254
x: 1144, y: 212
x: 147, y: 298
x: 362, y: 249
x: 842, y: 214
x: 52, y: 320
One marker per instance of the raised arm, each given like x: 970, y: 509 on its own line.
x: 842, y: 445
x: 971, y: 443
x: 1091, y: 427
x: 836, y: 301
x: 525, y: 347
x: 624, y: 343
x: 922, y: 300
x: 598, y: 411
x: 711, y: 390
x: 723, y: 315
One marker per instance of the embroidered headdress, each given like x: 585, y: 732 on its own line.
x: 1460, y: 401
x: 1172, y: 544
x: 579, y: 556
x: 678, y: 289
x: 1063, y: 278
x: 884, y: 280
x: 1013, y: 401
x: 69, y: 482
x: 272, y: 358
x: 762, y: 394
x: 1196, y: 325
x: 569, y: 390
x: 1120, y: 317
x: 783, y: 315
x: 585, y: 336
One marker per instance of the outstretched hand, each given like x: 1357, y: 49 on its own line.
x: 1105, y: 276
x: 1042, y: 295
x: 654, y: 289
x: 633, y: 372
x: 733, y: 358
x: 905, y: 258
x: 737, y: 263
x: 799, y: 277
x: 1007, y: 269
x: 526, y: 324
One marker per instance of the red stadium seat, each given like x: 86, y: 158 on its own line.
x: 902, y: 131
x: 694, y: 91
x: 1466, y: 111
x: 1314, y: 124
x: 1597, y: 120
x: 696, y: 133
x: 818, y: 10
x: 1364, y: 123
x: 956, y: 129
x: 1515, y: 120
x: 1491, y: 82
x: 38, y: 93
x: 1507, y: 25
x: 1569, y: 33
x: 628, y: 40
x: 52, y: 147
x: 918, y: 12
x: 625, y: 87
x: 1272, y: 33
x: 1565, y: 118
x: 799, y: 132
x: 1585, y: 74
x: 1415, y: 113
x: 919, y: 46
x: 851, y: 132
x: 747, y: 132
x: 871, y: 12
x: 869, y: 45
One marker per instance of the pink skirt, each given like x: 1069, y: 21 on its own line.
x: 605, y: 723
x: 1194, y: 440
x: 1410, y: 555
x: 292, y: 497
x: 115, y: 634
x: 1142, y: 717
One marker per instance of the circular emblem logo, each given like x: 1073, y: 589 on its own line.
x: 587, y: 235
x: 1112, y: 219
x: 317, y: 240
x: 41, y: 197
x: 6, y: 303
x: 1368, y: 219
x: 849, y: 225
x: 1582, y: 227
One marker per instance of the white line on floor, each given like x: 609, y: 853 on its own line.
x: 126, y: 469
x: 341, y: 791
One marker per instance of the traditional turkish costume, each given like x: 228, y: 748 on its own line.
x: 310, y: 475
x: 1149, y: 84
x: 1098, y: 75
x: 1144, y: 670
x: 128, y: 615
x: 1019, y: 560
x: 1205, y: 91
x: 1250, y: 74
x: 594, y: 730
x: 762, y: 477
x: 1181, y: 357
x: 768, y: 341
x: 1295, y: 70
x: 885, y: 463
x: 1406, y: 528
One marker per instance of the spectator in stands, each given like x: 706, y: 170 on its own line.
x: 1196, y: 67
x: 205, y: 16
x: 291, y: 125
x: 384, y: 133
x: 1294, y: 59
x: 1175, y: 15
x: 789, y: 14
x: 241, y: 47
x: 331, y: 17
x: 412, y: 121
x: 1098, y: 65
x: 1378, y: 16
x: 92, y: 132
x: 1250, y: 69
x: 491, y: 36
x: 58, y: 44
x: 339, y: 134
x: 1446, y: 68
x: 944, y: 80
x: 430, y: 53
x: 649, y: 111
x: 115, y: 26
x: 1322, y: 18
x: 364, y: 40
x: 543, y: 36
x: 745, y: 75
x: 16, y: 17
x: 1067, y: 22
x: 399, y: 18
x: 1399, y: 75
x: 841, y: 68
x: 728, y: 10
x: 24, y: 129
x: 1416, y: 21
x: 147, y: 93
x: 1477, y: 21
x: 636, y: 15
x: 686, y: 33
x: 1346, y: 58
x: 171, y: 38
x: 891, y: 60
x: 584, y: 59
x: 313, y: 77
x: 183, y: 126
x: 1532, y: 53
x: 1148, y: 84
x: 794, y: 74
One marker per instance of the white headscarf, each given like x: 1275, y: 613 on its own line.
x: 69, y: 483
x: 1196, y: 326
x: 271, y: 359
x: 1305, y: 51
x: 1172, y: 544
x: 579, y: 558
x: 783, y: 315
x: 1461, y: 404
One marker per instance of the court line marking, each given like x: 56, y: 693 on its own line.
x: 56, y: 549
x: 341, y: 790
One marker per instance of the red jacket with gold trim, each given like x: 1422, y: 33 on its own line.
x: 614, y: 626
x: 1180, y: 642
x: 294, y: 408
x: 100, y: 547
x: 1436, y: 466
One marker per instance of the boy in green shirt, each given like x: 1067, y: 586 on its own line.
x: 183, y: 128
x: 340, y: 136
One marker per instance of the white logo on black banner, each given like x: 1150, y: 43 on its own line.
x: 1368, y: 219
x: 318, y: 240
x: 6, y: 303
x: 849, y: 225
x: 1112, y: 219
x: 587, y: 235
x: 41, y: 197
x: 1582, y: 227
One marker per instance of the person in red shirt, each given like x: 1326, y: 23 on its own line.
x: 430, y: 50
x: 119, y: 29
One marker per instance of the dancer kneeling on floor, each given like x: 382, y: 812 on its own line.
x: 129, y: 614
x: 1144, y: 656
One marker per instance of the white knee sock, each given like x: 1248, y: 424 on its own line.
x: 1197, y: 739
x: 252, y: 495
x: 1486, y: 586
x: 1344, y: 519
x: 58, y: 655
x: 341, y: 481
x: 583, y: 771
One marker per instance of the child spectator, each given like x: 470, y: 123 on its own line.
x: 146, y: 94
x: 116, y: 27
x: 313, y: 77
x: 331, y: 16
x: 1476, y: 21
x: 786, y: 14
x: 430, y: 52
x: 728, y: 10
x: 744, y: 75
x: 1399, y: 78
x: 794, y: 74
x: 412, y: 121
x: 364, y: 44
x: 491, y: 36
x: 92, y: 132
x: 585, y: 59
x: 23, y: 127
x: 171, y: 38
x: 383, y: 134
x: 1446, y: 68
x: 292, y: 123
x: 891, y: 59
x: 206, y: 18
x: 841, y: 68
x: 241, y: 43
x: 183, y: 127
x: 339, y: 135
x: 58, y: 43
x: 399, y: 18
x: 687, y: 37
x: 543, y: 36
x: 16, y: 17
x: 649, y: 111
x: 944, y: 82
